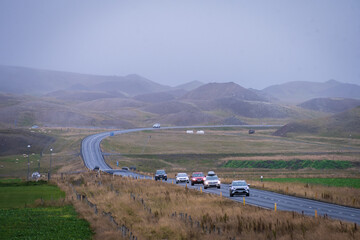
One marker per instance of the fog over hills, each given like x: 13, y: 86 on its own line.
x: 213, y: 91
x: 300, y: 91
x: 332, y: 105
x: 81, y: 100
x: 20, y: 80
x: 190, y: 85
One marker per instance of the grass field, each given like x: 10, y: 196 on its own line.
x: 24, y: 216
x: 290, y: 164
x: 43, y: 223
x: 15, y: 194
x: 230, y: 148
x: 332, y: 182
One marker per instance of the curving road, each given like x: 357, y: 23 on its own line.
x: 92, y: 156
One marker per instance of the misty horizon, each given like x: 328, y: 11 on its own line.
x: 254, y: 44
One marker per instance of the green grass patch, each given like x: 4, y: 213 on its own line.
x: 11, y: 180
x: 15, y: 194
x: 291, y: 164
x: 43, y: 223
x: 334, y: 182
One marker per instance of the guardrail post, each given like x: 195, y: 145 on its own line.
x: 244, y: 201
x: 275, y: 207
x: 315, y: 213
x: 201, y: 189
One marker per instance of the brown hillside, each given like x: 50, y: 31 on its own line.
x: 170, y: 107
x: 332, y: 105
x: 186, y: 118
x: 109, y: 104
x: 15, y: 141
x: 82, y: 95
x: 213, y: 91
x: 345, y: 124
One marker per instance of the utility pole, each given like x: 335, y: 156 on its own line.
x: 28, y: 168
x: 49, y: 175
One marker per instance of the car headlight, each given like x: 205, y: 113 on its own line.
x: 206, y: 182
x: 219, y: 182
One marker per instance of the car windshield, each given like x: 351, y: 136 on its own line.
x: 160, y: 172
x: 242, y: 183
x: 198, y: 174
x: 182, y: 175
x: 212, y: 178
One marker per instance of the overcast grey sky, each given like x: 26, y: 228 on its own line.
x: 255, y: 43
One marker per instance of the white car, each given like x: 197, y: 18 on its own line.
x: 239, y: 187
x: 182, y: 177
x: 212, y: 181
x: 156, y: 125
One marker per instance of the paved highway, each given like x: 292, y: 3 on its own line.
x: 93, y: 157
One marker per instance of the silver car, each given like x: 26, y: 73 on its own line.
x: 239, y: 187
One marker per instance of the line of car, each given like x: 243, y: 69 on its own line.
x: 237, y: 187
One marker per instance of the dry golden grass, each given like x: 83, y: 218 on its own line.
x: 129, y: 201
x: 224, y: 141
x: 339, y: 195
x: 295, y: 157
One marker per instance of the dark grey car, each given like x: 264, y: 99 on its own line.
x: 160, y: 174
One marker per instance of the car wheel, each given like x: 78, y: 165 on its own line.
x: 248, y: 194
x: 218, y: 187
x: 205, y: 187
x: 192, y: 184
x: 231, y: 195
x: 177, y: 182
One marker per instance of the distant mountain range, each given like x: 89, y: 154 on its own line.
x: 19, y: 80
x: 53, y: 98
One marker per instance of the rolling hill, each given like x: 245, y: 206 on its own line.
x: 21, y: 80
x: 15, y: 141
x: 300, y: 91
x: 190, y: 85
x: 331, y: 105
x: 345, y: 124
x: 213, y: 91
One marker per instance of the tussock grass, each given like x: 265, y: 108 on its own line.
x: 130, y: 201
x: 347, y: 196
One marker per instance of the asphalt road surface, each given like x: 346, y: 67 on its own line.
x: 93, y: 157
